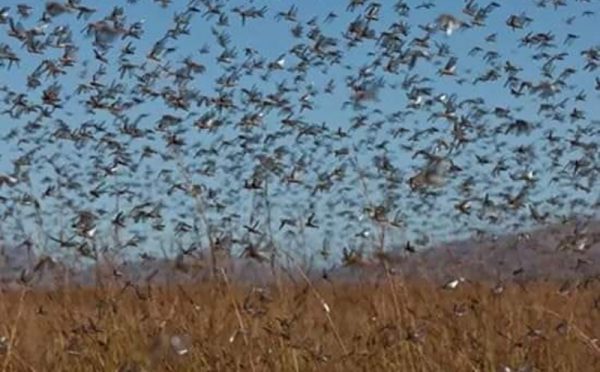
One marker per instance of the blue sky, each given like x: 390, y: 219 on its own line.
x: 271, y: 39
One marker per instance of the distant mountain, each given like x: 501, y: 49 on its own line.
x: 561, y: 251
x: 556, y: 252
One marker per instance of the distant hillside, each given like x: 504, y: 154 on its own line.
x: 556, y: 252
x: 559, y: 251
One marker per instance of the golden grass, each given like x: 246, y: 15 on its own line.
x: 386, y: 326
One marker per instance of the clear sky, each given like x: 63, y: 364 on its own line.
x: 272, y: 38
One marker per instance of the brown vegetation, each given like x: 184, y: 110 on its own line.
x: 387, y: 324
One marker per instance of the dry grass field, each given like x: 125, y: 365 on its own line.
x: 385, y: 325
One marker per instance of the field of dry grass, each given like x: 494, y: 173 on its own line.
x: 387, y: 325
